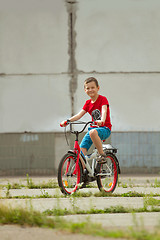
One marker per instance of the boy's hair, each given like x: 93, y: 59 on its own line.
x: 91, y: 79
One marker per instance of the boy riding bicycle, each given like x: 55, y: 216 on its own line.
x: 98, y: 107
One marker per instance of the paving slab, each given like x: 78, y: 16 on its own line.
x: 42, y: 204
x: 120, y: 220
x: 57, y: 192
x: 13, y: 232
x: 137, y: 179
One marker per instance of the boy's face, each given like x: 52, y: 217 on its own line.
x: 91, y: 89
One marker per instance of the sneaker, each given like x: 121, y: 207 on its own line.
x: 101, y: 159
x: 85, y: 176
x: 84, y: 179
x: 84, y: 185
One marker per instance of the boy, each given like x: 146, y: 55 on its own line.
x: 96, y: 104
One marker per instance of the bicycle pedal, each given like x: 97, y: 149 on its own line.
x: 102, y: 161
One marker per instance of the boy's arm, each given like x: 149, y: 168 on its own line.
x: 103, y: 116
x: 104, y: 113
x: 78, y: 116
x: 74, y: 118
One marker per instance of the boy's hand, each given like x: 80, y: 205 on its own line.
x: 100, y: 123
x: 64, y: 123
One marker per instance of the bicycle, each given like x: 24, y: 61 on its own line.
x: 71, y: 176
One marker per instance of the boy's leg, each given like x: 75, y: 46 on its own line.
x: 84, y: 150
x: 85, y: 145
x: 85, y: 171
x: 96, y: 141
x: 97, y: 135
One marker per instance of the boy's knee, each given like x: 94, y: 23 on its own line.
x: 93, y: 132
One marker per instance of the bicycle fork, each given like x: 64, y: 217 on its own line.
x: 77, y: 152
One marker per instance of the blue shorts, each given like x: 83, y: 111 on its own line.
x: 103, y: 133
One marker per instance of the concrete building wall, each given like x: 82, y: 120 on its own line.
x: 47, y: 50
x: 120, y: 36
x: 33, y: 102
x: 34, y: 37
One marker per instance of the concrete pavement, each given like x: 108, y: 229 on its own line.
x: 140, y: 184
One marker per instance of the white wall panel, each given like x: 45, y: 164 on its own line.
x: 33, y: 103
x: 119, y: 35
x: 33, y: 36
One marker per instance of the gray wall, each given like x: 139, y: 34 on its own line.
x: 47, y: 50
x: 39, y: 153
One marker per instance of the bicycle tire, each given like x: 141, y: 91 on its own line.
x: 107, y: 174
x: 68, y: 182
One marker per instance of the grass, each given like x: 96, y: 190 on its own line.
x: 150, y: 205
x: 34, y: 218
x: 156, y: 184
x: 64, y: 212
x: 130, y: 184
x: 22, y: 216
x: 45, y: 194
x: 31, y: 185
x: 150, y: 201
x: 29, y: 217
x: 51, y: 218
x: 53, y: 184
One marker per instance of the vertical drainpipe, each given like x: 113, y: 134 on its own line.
x: 72, y: 68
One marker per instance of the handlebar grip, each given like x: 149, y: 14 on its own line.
x: 65, y: 123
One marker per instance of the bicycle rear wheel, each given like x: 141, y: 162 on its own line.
x: 107, y: 174
x: 68, y: 182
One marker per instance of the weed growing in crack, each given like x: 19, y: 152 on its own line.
x: 8, y: 187
x: 156, y: 183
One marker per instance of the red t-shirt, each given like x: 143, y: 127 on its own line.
x: 101, y: 100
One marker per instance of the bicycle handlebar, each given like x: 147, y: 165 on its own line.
x: 76, y: 123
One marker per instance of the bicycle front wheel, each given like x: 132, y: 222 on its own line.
x: 68, y: 180
x: 107, y: 174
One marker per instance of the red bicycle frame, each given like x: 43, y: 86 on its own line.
x: 77, y: 152
x: 76, y: 148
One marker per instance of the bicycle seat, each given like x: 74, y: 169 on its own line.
x: 109, y: 148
